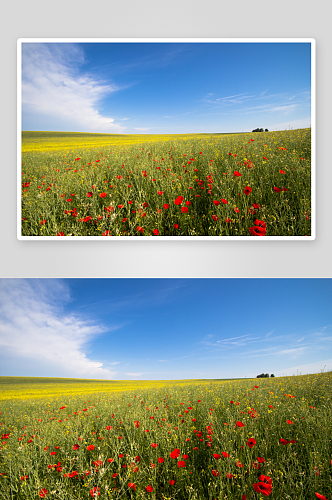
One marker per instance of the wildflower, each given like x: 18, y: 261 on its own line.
x: 89, y: 194
x: 43, y: 493
x: 161, y: 460
x: 225, y: 202
x: 75, y: 447
x: 171, y: 482
x: 281, y: 172
x: 103, y: 195
x: 237, y: 210
x: 176, y: 226
x: 216, y: 456
x: 240, y: 424
x: 94, y: 492
x: 321, y: 497
x: 247, y: 190
x: 149, y: 488
x: 178, y: 200
x: 132, y: 486
x: 60, y: 234
x: 276, y: 189
x: 90, y: 447
x: 216, y: 202
x: 263, y: 488
x: 290, y: 422
x: 237, y: 174
x: 155, y: 232
x: 229, y: 476
x: 181, y: 463
x: 184, y: 210
x: 251, y: 443
x: 261, y: 460
x: 154, y: 445
x: 224, y: 454
x: 227, y: 219
x: 255, y: 205
x: 144, y: 173
x: 257, y: 231
x: 215, y: 217
x: 215, y: 472
x: 166, y: 206
x: 160, y: 193
x: 175, y: 453
x: 140, y: 229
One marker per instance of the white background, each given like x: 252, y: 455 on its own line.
x: 165, y: 19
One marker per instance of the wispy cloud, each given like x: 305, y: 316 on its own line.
x: 35, y: 331
x: 143, y: 129
x: 53, y: 87
x: 138, y: 374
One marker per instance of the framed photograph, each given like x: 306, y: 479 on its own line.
x: 166, y: 139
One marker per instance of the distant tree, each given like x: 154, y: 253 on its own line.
x: 266, y: 130
x: 272, y: 375
x: 263, y: 375
x: 260, y: 130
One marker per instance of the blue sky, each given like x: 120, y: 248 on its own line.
x: 162, y: 329
x: 164, y: 88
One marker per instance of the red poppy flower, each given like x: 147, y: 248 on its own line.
x: 43, y: 493
x: 263, y: 488
x: 251, y: 442
x: 160, y: 192
x: 144, y: 173
x: 247, y: 190
x: 216, y: 456
x: 290, y: 422
x: 240, y: 424
x: 255, y: 205
x: 224, y: 454
x: 89, y: 194
x: 321, y: 497
x: 181, y: 463
x: 155, y: 232
x: 284, y: 189
x: 178, y: 200
x: 261, y: 460
x: 171, y: 482
x: 140, y: 229
x: 237, y: 210
x: 161, y: 460
x: 237, y: 174
x: 215, y: 472
x: 257, y: 231
x: 149, y: 488
x: 281, y: 172
x: 176, y: 226
x: 260, y: 223
x: 132, y: 486
x: 215, y: 217
x: 90, y: 447
x: 276, y: 189
x: 154, y: 445
x: 76, y: 447
x: 227, y: 219
x: 216, y: 202
x: 225, y: 202
x: 239, y: 464
x: 145, y: 205
x: 184, y: 210
x: 283, y: 441
x: 166, y: 206
x: 175, y: 453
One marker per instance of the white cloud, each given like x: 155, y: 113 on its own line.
x: 143, y: 129
x: 35, y: 332
x: 135, y: 374
x: 52, y: 87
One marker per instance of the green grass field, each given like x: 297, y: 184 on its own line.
x: 252, y: 184
x: 235, y: 439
